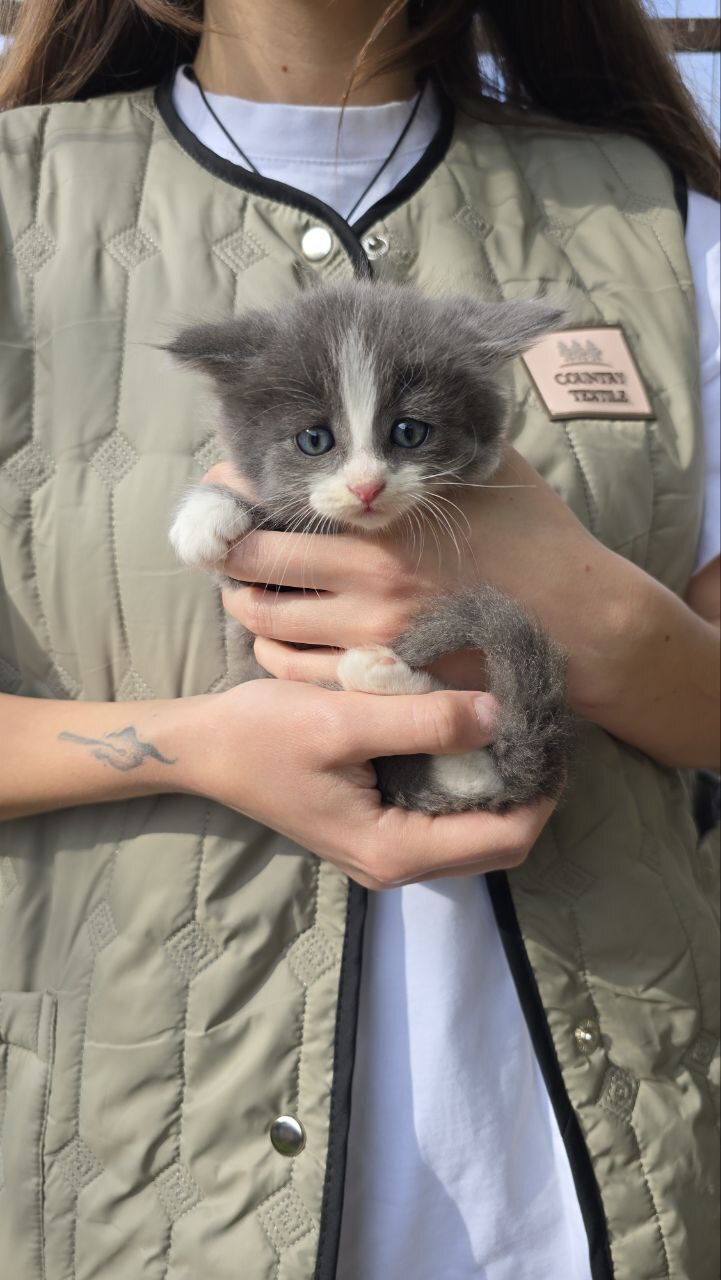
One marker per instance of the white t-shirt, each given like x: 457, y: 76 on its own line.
x: 456, y: 1167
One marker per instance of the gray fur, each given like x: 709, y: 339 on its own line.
x: 439, y: 360
x: 525, y: 672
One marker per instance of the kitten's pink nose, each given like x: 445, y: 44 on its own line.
x: 367, y: 492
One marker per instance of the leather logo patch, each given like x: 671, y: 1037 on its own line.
x: 588, y: 373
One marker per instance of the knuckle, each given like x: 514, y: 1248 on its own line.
x: 258, y: 614
x: 244, y: 560
x: 270, y: 660
x: 235, y: 602
x: 379, y: 868
x: 389, y: 575
x: 388, y: 628
x: 515, y: 855
x: 443, y: 723
x: 217, y: 473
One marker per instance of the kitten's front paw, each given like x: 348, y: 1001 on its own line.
x: 379, y: 670
x: 208, y: 522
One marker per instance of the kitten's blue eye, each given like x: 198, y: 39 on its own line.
x: 315, y: 440
x: 409, y: 433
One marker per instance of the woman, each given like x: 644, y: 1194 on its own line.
x: 181, y: 979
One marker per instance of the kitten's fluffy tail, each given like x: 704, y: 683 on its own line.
x: 525, y: 672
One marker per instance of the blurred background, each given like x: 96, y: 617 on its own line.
x: 701, y: 68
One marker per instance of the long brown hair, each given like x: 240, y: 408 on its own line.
x: 606, y: 66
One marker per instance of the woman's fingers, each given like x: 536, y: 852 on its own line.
x: 283, y: 559
x: 406, y: 847
x: 225, y: 473
x: 286, y: 560
x: 312, y: 666
x: 436, y: 724
x: 308, y: 618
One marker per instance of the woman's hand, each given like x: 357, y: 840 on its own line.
x: 642, y: 664
x: 340, y: 592
x: 354, y: 589
x: 296, y: 758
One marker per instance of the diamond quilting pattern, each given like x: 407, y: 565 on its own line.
x: 567, y: 877
x: 8, y: 878
x: 639, y: 207
x: 284, y: 1218
x: 472, y: 222
x: 33, y: 249
x: 30, y: 467
x: 177, y: 1190
x: 312, y: 954
x: 618, y: 1092
x: 209, y: 453
x: 114, y: 459
x: 101, y: 927
x: 78, y: 1165
x: 10, y: 680
x: 239, y: 251
x: 132, y: 688
x: 559, y: 231
x: 61, y: 683
x: 192, y: 949
x: 131, y: 247
x: 702, y: 1052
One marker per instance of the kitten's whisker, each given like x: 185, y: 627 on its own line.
x: 463, y: 484
x: 406, y: 521
x: 423, y: 504
x: 454, y: 507
x: 463, y: 535
x: 445, y: 523
x: 417, y: 523
x: 291, y: 526
x: 308, y: 518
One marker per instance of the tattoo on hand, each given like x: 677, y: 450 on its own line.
x: 122, y: 750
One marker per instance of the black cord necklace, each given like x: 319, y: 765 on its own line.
x: 191, y: 74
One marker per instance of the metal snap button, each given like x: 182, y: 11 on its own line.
x: 375, y: 246
x: 587, y: 1036
x: 316, y: 243
x: 287, y: 1135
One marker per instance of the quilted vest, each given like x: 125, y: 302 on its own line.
x: 173, y: 977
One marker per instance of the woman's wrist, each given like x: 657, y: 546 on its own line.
x: 186, y: 731
x: 73, y: 753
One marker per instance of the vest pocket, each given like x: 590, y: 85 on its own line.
x: 27, y: 1033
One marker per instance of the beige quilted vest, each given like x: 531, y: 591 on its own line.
x: 172, y: 976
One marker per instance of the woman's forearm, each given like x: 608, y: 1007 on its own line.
x: 643, y: 664
x: 60, y: 754
x: 645, y: 667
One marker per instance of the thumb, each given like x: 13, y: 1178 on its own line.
x: 436, y: 724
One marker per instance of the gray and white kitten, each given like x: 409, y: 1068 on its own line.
x: 346, y: 409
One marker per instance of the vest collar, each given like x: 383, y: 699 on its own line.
x: 348, y: 233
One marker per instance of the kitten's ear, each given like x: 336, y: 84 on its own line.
x: 507, y: 329
x: 220, y: 349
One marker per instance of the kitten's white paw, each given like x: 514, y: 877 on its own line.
x: 207, y: 524
x: 378, y: 670
x: 472, y: 777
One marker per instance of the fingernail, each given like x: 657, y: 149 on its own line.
x: 485, y: 712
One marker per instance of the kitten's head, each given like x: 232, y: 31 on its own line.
x: 354, y: 402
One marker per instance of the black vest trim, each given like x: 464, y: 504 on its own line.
x: 589, y: 1196
x: 340, y: 1101
x: 680, y: 191
x: 349, y: 236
